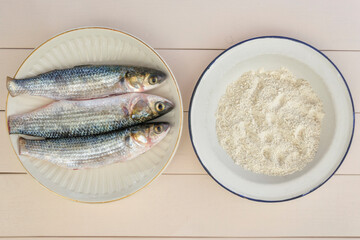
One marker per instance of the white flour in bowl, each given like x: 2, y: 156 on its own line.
x: 269, y: 122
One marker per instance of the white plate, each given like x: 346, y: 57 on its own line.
x: 99, y: 46
x: 272, y: 53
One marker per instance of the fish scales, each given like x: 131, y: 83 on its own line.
x: 96, y: 150
x: 87, y: 117
x: 85, y: 82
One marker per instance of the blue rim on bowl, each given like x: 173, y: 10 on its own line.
x: 213, y: 61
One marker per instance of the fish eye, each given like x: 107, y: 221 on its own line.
x: 127, y: 75
x: 158, y: 129
x: 160, y: 107
x: 153, y: 80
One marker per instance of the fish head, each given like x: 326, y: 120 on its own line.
x: 139, y: 79
x: 147, y: 106
x: 150, y: 134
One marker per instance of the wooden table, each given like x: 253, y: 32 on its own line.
x: 184, y: 202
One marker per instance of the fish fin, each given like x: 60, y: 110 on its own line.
x: 11, y: 87
x: 21, y: 144
x: 8, y: 124
x: 11, y: 126
x: 85, y: 65
x: 8, y: 79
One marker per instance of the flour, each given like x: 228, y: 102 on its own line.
x: 269, y: 122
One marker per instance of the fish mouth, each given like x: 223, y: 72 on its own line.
x: 166, y: 126
x: 168, y: 106
x: 160, y: 76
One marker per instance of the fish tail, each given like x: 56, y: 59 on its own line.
x: 12, y: 87
x: 22, y: 143
x: 12, y: 125
x: 10, y: 121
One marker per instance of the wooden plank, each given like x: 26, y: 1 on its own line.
x: 180, y: 206
x: 8, y: 159
x: 187, y: 66
x: 177, y: 24
x: 346, y: 62
x: 184, y: 161
x: 10, y: 60
x: 351, y: 165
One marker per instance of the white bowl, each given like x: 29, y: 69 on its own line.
x: 99, y: 46
x: 272, y: 53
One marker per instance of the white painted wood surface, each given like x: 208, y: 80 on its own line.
x: 184, y: 162
x: 178, y: 205
x: 187, y: 66
x: 184, y: 203
x: 153, y: 238
x: 328, y: 24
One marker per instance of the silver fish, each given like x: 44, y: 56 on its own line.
x: 85, y: 82
x: 67, y: 118
x: 98, y: 150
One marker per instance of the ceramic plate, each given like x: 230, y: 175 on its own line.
x: 99, y: 46
x: 272, y: 53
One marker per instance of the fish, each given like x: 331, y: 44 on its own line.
x: 87, y: 81
x: 96, y: 150
x: 69, y: 118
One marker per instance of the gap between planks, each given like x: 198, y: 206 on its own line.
x: 182, y: 237
x: 187, y: 174
x: 165, y: 174
x: 185, y: 111
x: 192, y: 49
